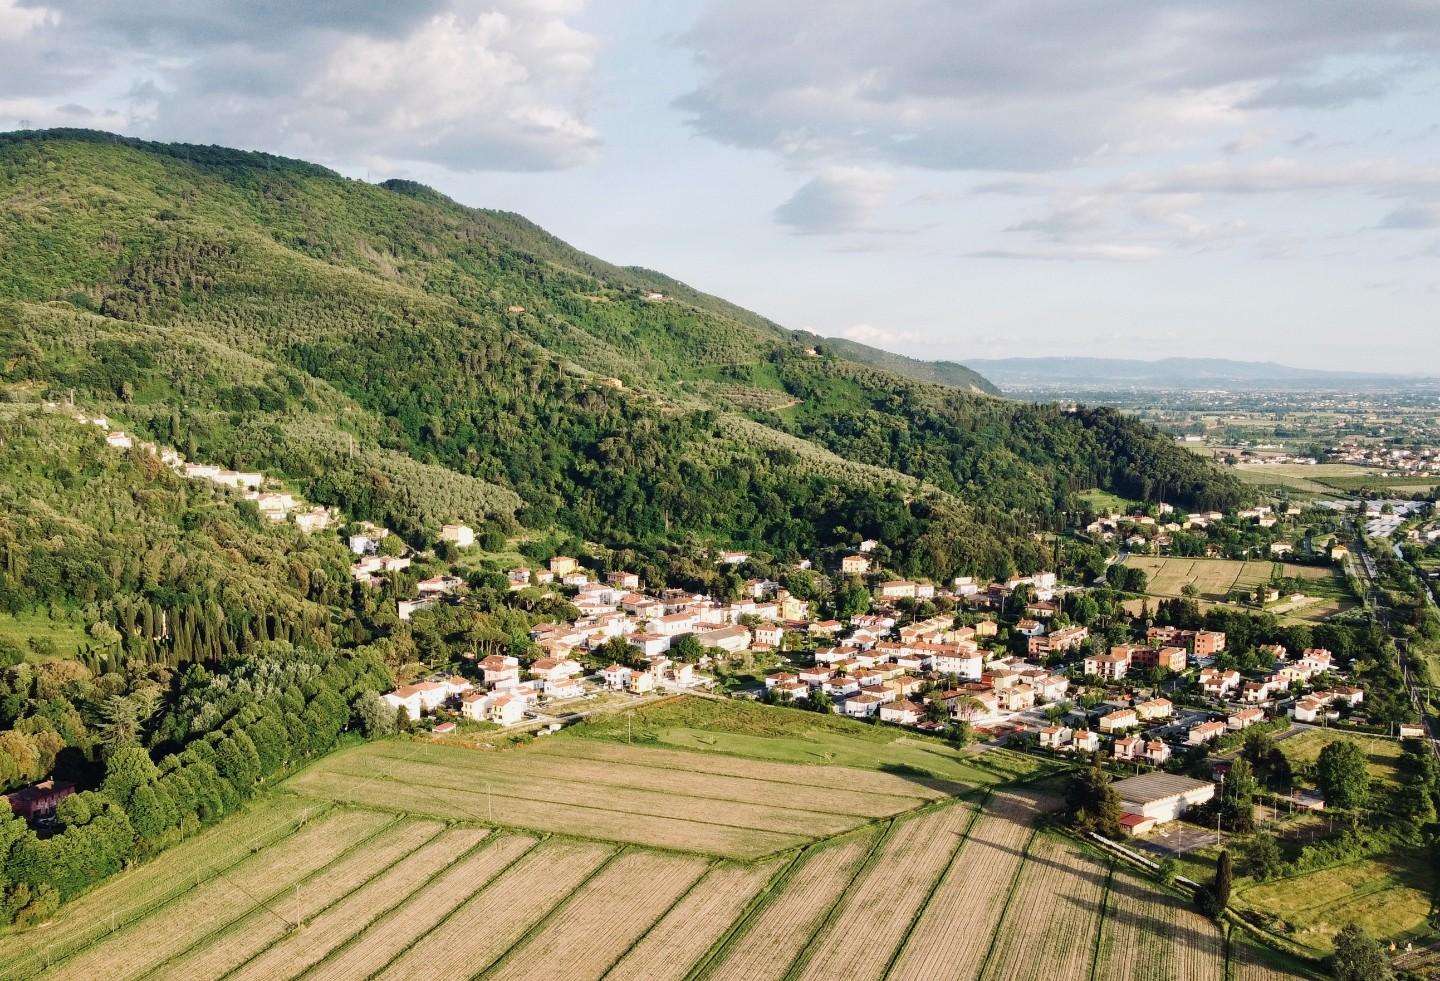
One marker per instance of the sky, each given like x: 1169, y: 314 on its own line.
x: 949, y: 179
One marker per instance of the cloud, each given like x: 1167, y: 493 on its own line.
x: 1105, y: 252
x: 1412, y: 217
x: 1031, y: 86
x: 1069, y: 218
x: 842, y: 199
x: 467, y: 84
x: 1280, y: 175
x: 1328, y: 94
x: 880, y: 336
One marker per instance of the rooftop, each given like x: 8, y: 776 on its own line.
x: 1150, y: 787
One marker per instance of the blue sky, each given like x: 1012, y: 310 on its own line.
x: 950, y: 180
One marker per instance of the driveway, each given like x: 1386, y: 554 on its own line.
x: 1179, y: 838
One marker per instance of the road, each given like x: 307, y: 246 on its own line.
x: 1375, y: 600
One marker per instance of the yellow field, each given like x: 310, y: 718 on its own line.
x: 384, y: 888
x: 1151, y: 934
x: 1049, y: 928
x: 772, y: 940
x: 969, y: 899
x: 660, y: 798
x: 1297, y: 476
x: 875, y: 915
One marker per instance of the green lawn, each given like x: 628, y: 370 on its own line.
x: 1104, y: 501
x: 1388, y: 896
x: 1381, y: 754
x: 784, y: 735
x: 68, y: 637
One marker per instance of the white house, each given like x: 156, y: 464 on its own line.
x: 731, y: 639
x: 461, y: 536
x: 416, y: 699
x: 1161, y: 797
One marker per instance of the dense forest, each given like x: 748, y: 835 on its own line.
x: 415, y: 360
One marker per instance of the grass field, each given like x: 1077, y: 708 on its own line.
x: 1390, y: 899
x: 1297, y: 476
x: 631, y: 795
x: 1215, y: 579
x: 1381, y: 754
x: 1105, y: 502
x: 61, y: 638
x: 369, y: 883
x: 759, y: 732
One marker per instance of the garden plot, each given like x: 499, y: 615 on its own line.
x: 1050, y: 925
x: 604, y: 917
x: 487, y: 925
x: 141, y: 890
x: 878, y: 910
x: 215, y: 903
x: 393, y: 933
x: 323, y: 933
x: 778, y: 931
x: 1152, y: 934
x: 952, y: 934
x: 695, y: 923
x: 264, y: 927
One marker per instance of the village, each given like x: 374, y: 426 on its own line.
x: 999, y: 663
x: 1003, y: 664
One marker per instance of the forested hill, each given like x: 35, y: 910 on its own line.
x: 390, y: 351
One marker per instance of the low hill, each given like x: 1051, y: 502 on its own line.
x: 412, y: 359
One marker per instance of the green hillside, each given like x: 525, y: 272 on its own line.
x: 389, y: 350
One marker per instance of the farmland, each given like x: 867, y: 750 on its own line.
x: 1390, y: 898
x: 630, y: 795
x: 1215, y: 579
x: 1309, y: 478
x: 1381, y: 755
x: 895, y: 879
x: 784, y: 735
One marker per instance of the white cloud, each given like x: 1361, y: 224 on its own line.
x: 1045, y: 84
x: 880, y: 336
x: 841, y: 199
x: 1413, y: 217
x: 468, y: 84
x: 1280, y: 175
x: 1101, y: 251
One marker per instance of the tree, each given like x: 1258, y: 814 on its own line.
x: 820, y: 701
x: 1238, y: 804
x: 1342, y: 775
x: 1263, y: 856
x: 688, y: 649
x: 376, y: 716
x: 1224, y: 879
x: 1357, y: 957
x: 1213, y: 899
x: 1093, y: 803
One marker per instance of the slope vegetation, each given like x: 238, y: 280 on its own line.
x: 388, y: 349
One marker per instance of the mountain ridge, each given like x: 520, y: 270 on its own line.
x: 274, y: 314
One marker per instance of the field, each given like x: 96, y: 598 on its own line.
x: 1381, y: 754
x: 632, y: 795
x: 737, y: 728
x: 57, y: 638
x: 1151, y: 934
x: 606, y: 860
x: 1312, y: 479
x: 1217, y: 578
x: 1390, y: 899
